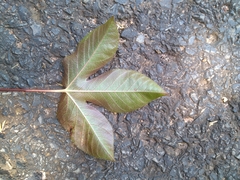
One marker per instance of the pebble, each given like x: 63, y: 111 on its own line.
x: 129, y: 33
x: 194, y: 97
x: 23, y: 13
x: 159, y: 69
x: 6, y: 39
x: 16, y: 51
x: 36, y: 29
x: 63, y: 26
x: 165, y: 4
x: 238, y: 78
x: 191, y: 40
x: 140, y: 38
x: 236, y: 88
x: 123, y: 2
x: 76, y: 28
x: 61, y: 155
x: 138, y: 2
x: 191, y: 51
x: 177, y: 1
x: 4, y: 76
x: 55, y: 31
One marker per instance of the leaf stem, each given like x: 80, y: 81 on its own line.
x: 32, y: 90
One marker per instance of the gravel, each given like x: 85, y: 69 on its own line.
x: 190, y: 48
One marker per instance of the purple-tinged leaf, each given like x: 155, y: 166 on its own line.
x: 92, y: 53
x: 90, y: 130
x: 117, y: 90
x: 121, y: 90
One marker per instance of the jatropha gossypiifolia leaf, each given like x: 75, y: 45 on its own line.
x: 117, y: 90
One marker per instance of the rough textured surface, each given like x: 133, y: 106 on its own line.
x: 190, y: 48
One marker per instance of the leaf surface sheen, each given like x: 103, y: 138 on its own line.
x: 93, y: 52
x: 121, y: 90
x: 117, y: 90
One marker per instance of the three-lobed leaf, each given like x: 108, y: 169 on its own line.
x: 117, y: 90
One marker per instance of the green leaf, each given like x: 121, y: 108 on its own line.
x: 90, y: 130
x: 117, y: 90
x: 121, y: 90
x: 92, y: 53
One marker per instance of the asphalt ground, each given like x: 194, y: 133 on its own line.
x: 190, y: 48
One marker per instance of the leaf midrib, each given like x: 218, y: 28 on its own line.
x: 102, y: 91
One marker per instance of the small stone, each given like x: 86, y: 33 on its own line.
x: 36, y: 29
x: 68, y: 11
x: 63, y: 39
x: 16, y: 51
x: 194, y: 97
x: 85, y: 1
x: 180, y: 125
x: 56, y: 49
x: 162, y: 49
x: 76, y: 28
x: 139, y: 164
x: 4, y: 76
x: 61, y: 155
x: 165, y: 4
x: 182, y: 42
x: 213, y: 176
x: 23, y: 13
x: 238, y: 77
x: 160, y: 150
x: 5, y: 110
x: 210, y: 93
x: 30, y: 82
x: 134, y: 47
x: 202, y: 117
x: 140, y: 38
x: 129, y: 33
x: 40, y: 120
x: 53, y: 145
x: 55, y: 31
x: 155, y: 160
x: 173, y: 172
x: 53, y: 21
x: 159, y: 69
x: 236, y: 53
x: 190, y: 51
x: 236, y: 87
x: 139, y: 2
x: 191, y: 40
x: 123, y: 2
x: 212, y: 38
x: 209, y: 49
x: 63, y: 26
x: 224, y: 99
x: 36, y: 100
x: 68, y: 2
x: 177, y: 1
x: 238, y: 156
x: 6, y: 40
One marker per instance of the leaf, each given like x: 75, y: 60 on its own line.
x: 90, y: 130
x: 92, y: 53
x: 117, y: 90
x: 121, y: 90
